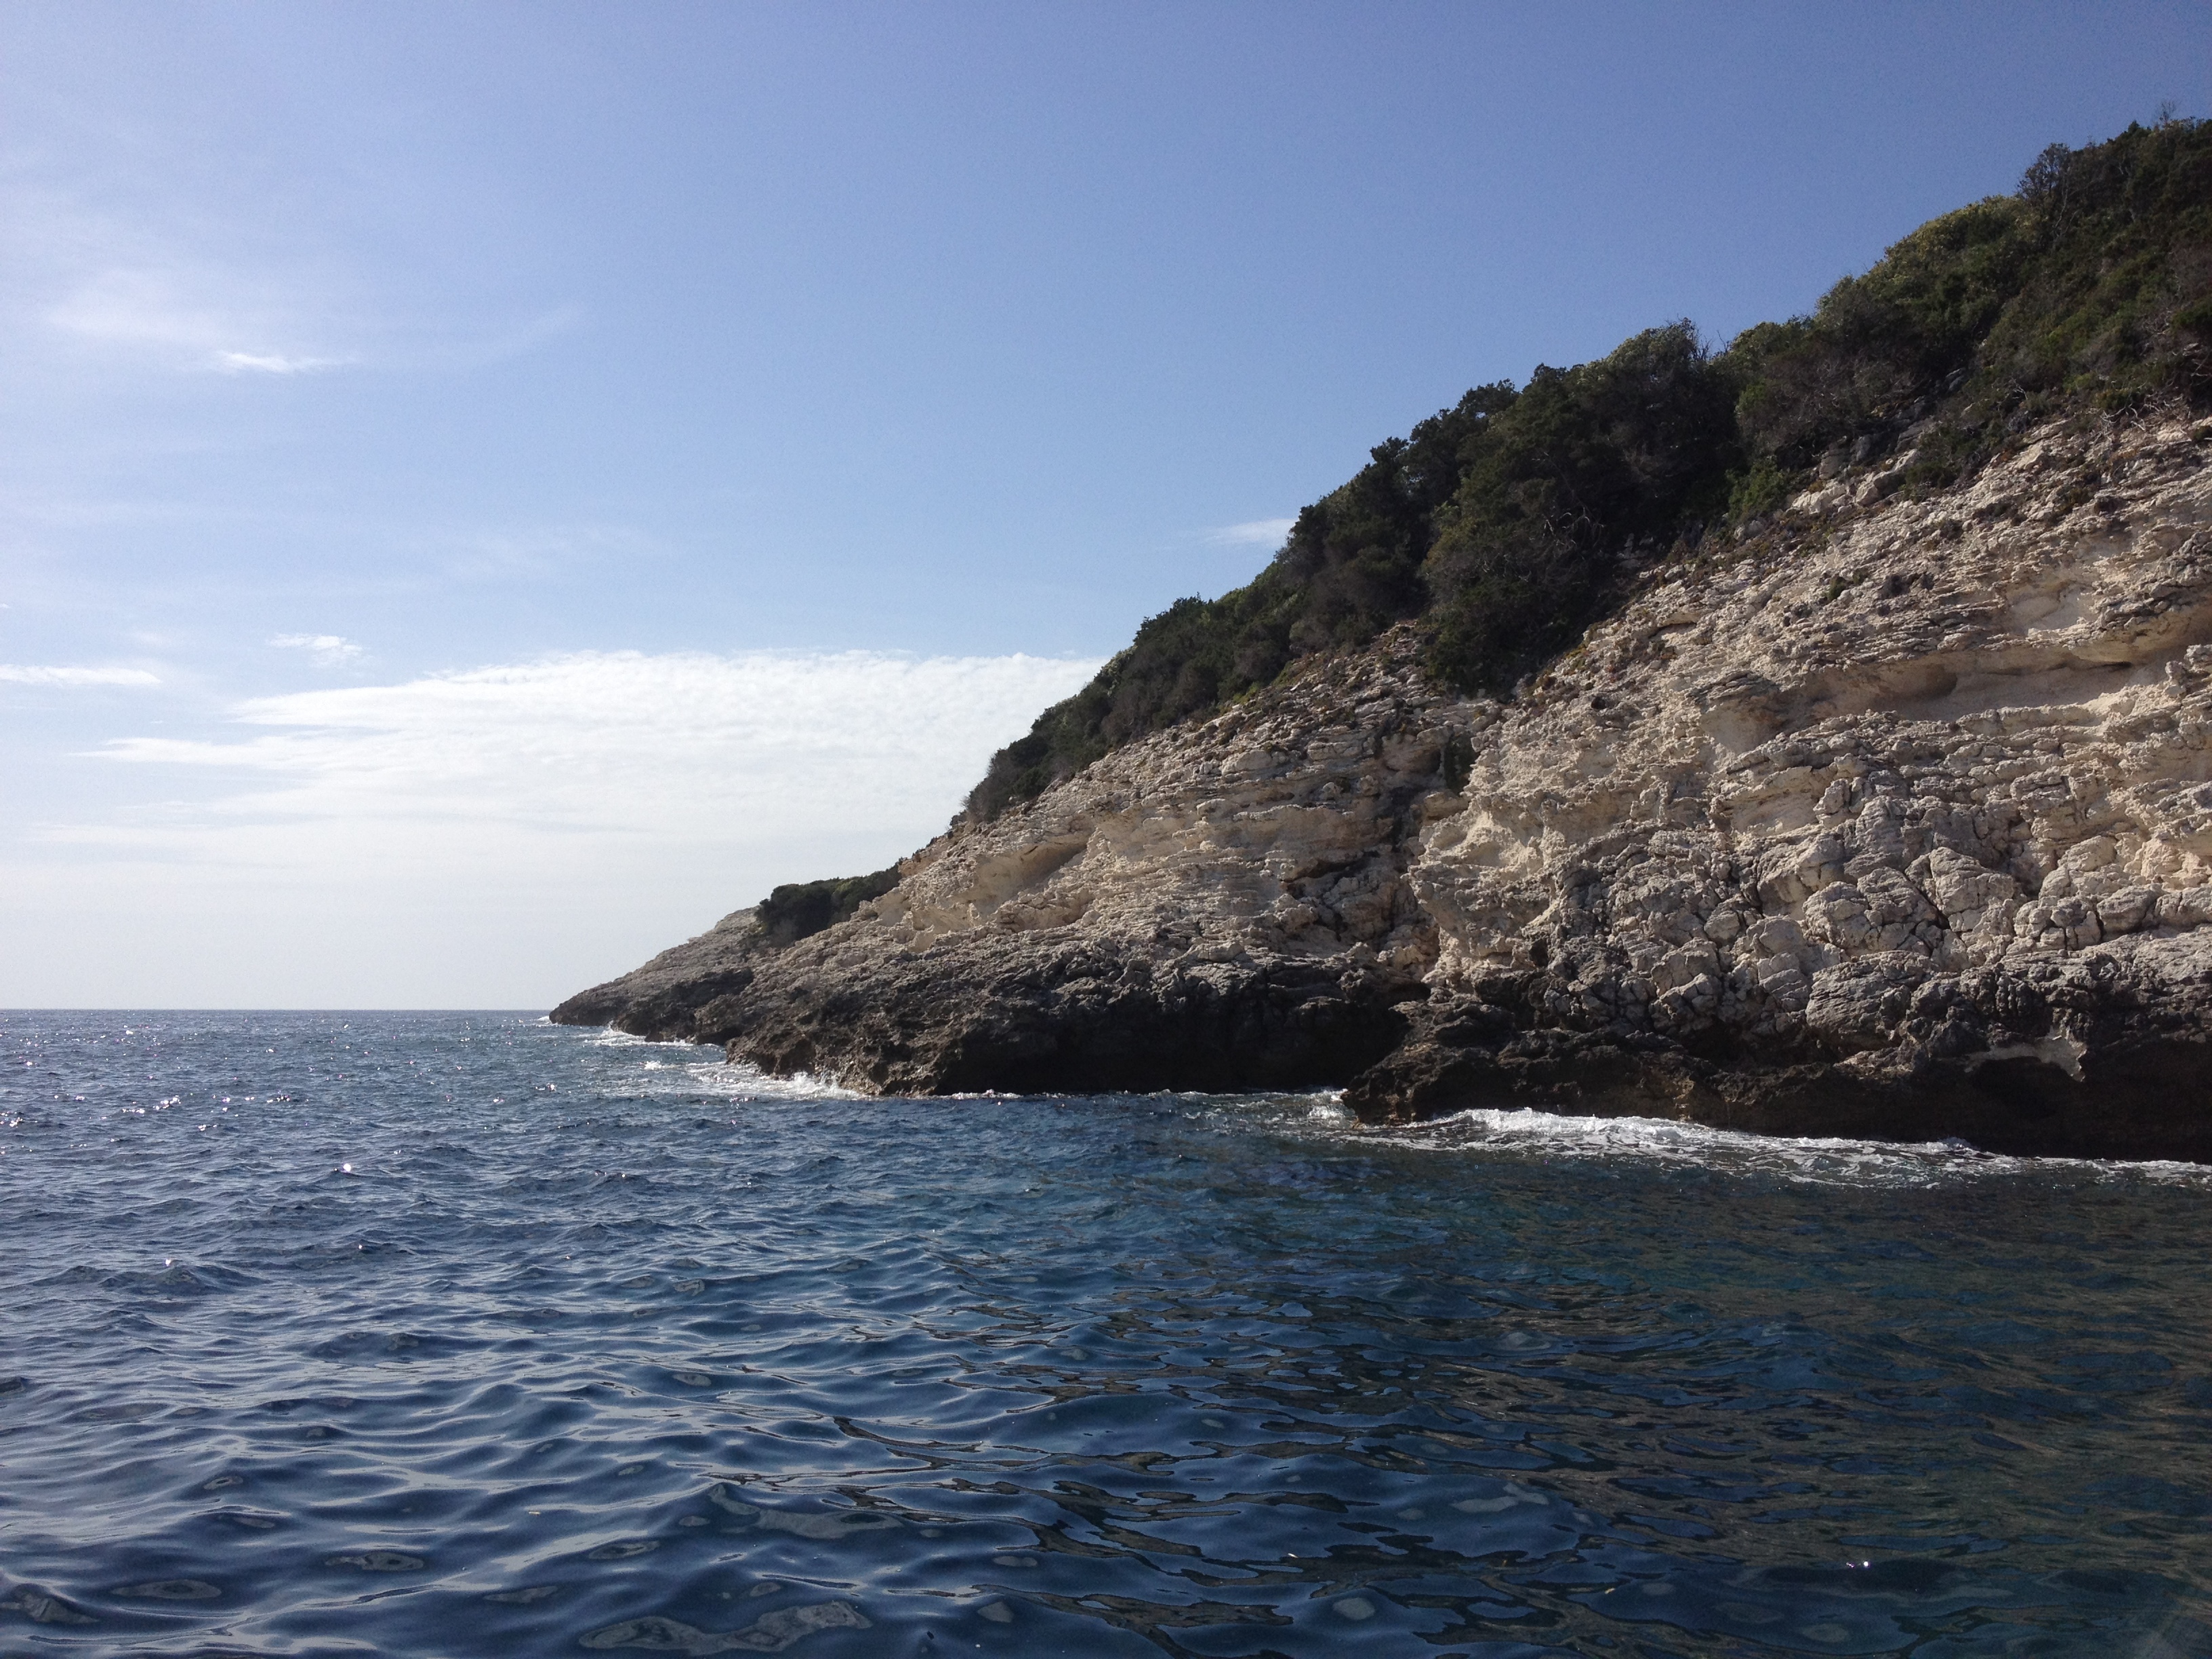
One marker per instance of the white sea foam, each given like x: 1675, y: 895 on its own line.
x: 733, y: 1079
x: 680, y: 1068
x: 608, y: 1037
x: 737, y: 1077
x: 1825, y: 1160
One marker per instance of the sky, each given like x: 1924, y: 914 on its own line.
x: 486, y: 490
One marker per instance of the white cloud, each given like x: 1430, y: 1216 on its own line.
x: 249, y: 362
x: 495, y: 342
x: 24, y: 674
x: 670, y: 746
x: 1253, y: 532
x: 192, y: 313
x: 499, y: 836
x: 181, y: 287
x: 325, y: 650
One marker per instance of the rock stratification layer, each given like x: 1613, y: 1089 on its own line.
x: 1895, y: 818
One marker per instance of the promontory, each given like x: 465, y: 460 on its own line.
x: 1810, y: 736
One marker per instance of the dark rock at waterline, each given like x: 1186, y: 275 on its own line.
x: 662, y: 999
x: 2106, y: 1054
x: 1897, y: 822
x: 1063, y: 1016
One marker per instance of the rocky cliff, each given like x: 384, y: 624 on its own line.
x: 1892, y: 816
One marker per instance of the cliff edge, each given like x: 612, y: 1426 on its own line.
x: 1813, y: 737
x: 1891, y: 820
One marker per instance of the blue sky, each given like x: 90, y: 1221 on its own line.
x: 488, y: 488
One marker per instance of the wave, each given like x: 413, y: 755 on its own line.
x: 1824, y: 1160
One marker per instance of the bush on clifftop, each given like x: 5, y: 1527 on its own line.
x: 800, y: 909
x: 1506, y: 523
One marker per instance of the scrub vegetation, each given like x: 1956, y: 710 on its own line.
x: 1504, y: 524
x: 800, y: 909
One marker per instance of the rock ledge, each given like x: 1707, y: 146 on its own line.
x: 1894, y: 823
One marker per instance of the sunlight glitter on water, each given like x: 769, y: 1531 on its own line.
x: 605, y: 1345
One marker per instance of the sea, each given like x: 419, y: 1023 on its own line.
x: 453, y: 1334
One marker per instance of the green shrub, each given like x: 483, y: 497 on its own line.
x: 1586, y: 463
x: 798, y: 910
x: 1759, y: 490
x: 1505, y: 523
x: 1878, y: 343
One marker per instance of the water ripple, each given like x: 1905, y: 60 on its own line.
x: 342, y: 1334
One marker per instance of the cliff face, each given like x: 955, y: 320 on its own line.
x: 1898, y: 826
x: 662, y: 998
x: 1895, y: 818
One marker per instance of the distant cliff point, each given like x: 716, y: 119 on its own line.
x: 1811, y: 735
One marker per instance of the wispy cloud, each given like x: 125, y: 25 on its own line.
x: 128, y: 294
x: 498, y: 837
x: 325, y: 650
x: 249, y: 362
x: 690, y: 748
x: 152, y: 285
x: 1253, y: 532
x: 532, y: 553
x: 25, y: 674
x: 495, y: 342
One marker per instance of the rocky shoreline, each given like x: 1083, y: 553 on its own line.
x: 1892, y: 819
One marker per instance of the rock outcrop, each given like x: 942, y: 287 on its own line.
x: 1892, y: 819
x: 662, y: 998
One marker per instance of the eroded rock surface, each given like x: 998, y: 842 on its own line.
x: 662, y: 998
x: 1895, y: 820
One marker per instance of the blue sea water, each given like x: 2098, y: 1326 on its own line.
x: 454, y: 1335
